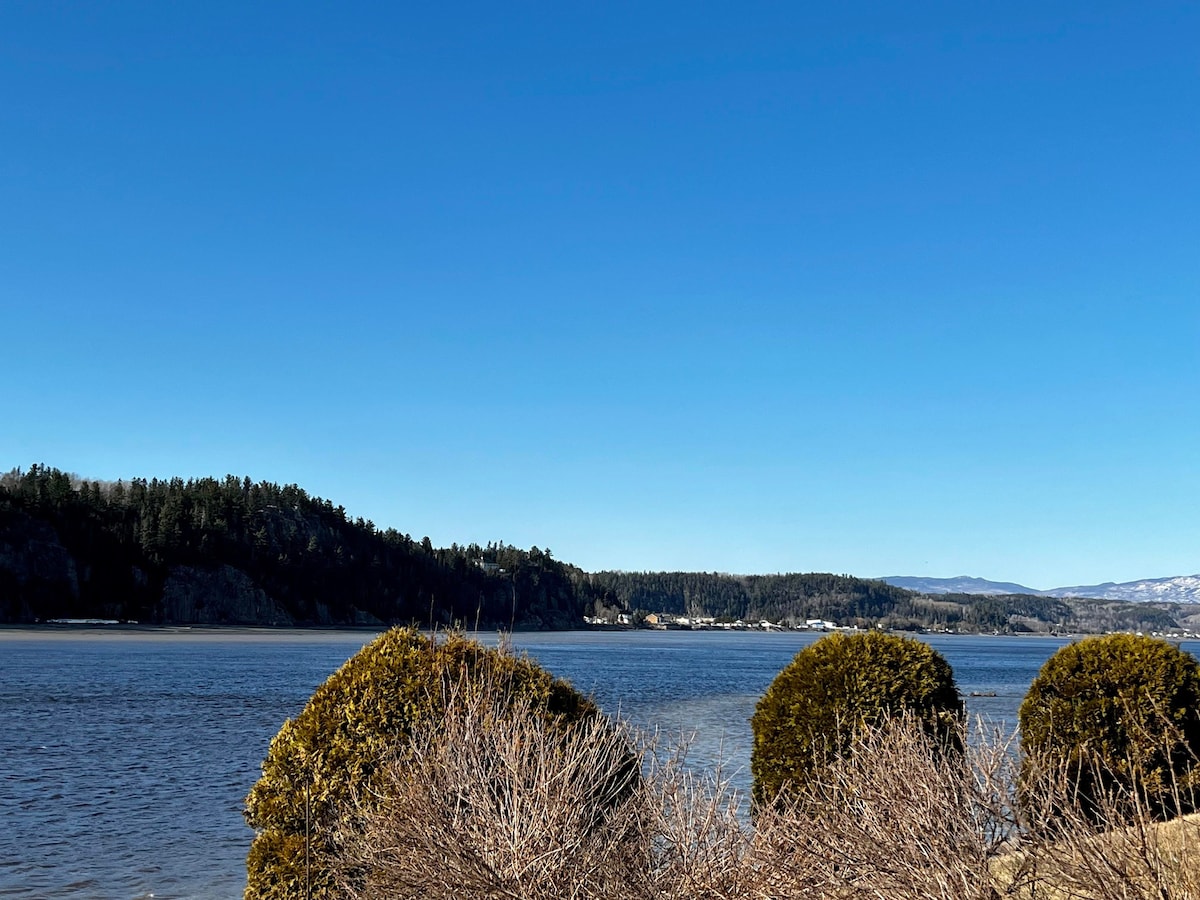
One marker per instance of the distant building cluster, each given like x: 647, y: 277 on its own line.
x: 672, y: 621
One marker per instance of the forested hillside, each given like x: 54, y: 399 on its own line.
x: 234, y: 552
x: 792, y: 598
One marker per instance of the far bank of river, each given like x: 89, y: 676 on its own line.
x: 128, y: 751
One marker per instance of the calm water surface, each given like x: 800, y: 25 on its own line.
x: 127, y: 753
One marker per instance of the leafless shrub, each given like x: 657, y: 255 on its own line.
x: 497, y: 805
x: 700, y: 842
x: 1108, y: 844
x: 896, y: 817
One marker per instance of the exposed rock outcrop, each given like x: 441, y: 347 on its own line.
x: 34, y: 567
x: 221, y: 596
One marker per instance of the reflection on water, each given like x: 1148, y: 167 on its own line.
x: 127, y: 754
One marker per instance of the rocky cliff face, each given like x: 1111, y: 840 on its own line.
x: 30, y: 551
x: 39, y: 578
x: 34, y: 567
x: 221, y: 596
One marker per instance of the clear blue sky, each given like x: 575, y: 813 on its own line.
x: 864, y: 288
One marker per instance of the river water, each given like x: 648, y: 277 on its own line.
x: 126, y: 754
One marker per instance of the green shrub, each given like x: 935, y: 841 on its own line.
x: 1114, y: 715
x: 814, y: 707
x: 337, y: 748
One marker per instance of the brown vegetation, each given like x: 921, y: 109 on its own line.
x: 396, y: 692
x: 1105, y: 845
x: 496, y: 806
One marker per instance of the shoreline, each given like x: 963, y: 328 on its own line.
x: 89, y: 627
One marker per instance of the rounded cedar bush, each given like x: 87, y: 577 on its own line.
x: 814, y: 707
x: 1119, y: 717
x: 335, y: 750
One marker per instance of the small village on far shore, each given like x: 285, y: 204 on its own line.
x: 671, y: 621
x: 674, y: 622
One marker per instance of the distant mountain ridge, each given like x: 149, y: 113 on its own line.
x: 1175, y: 589
x: 962, y: 584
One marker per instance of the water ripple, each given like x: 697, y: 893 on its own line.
x: 127, y: 756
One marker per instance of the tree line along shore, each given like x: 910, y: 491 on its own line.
x: 231, y: 551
